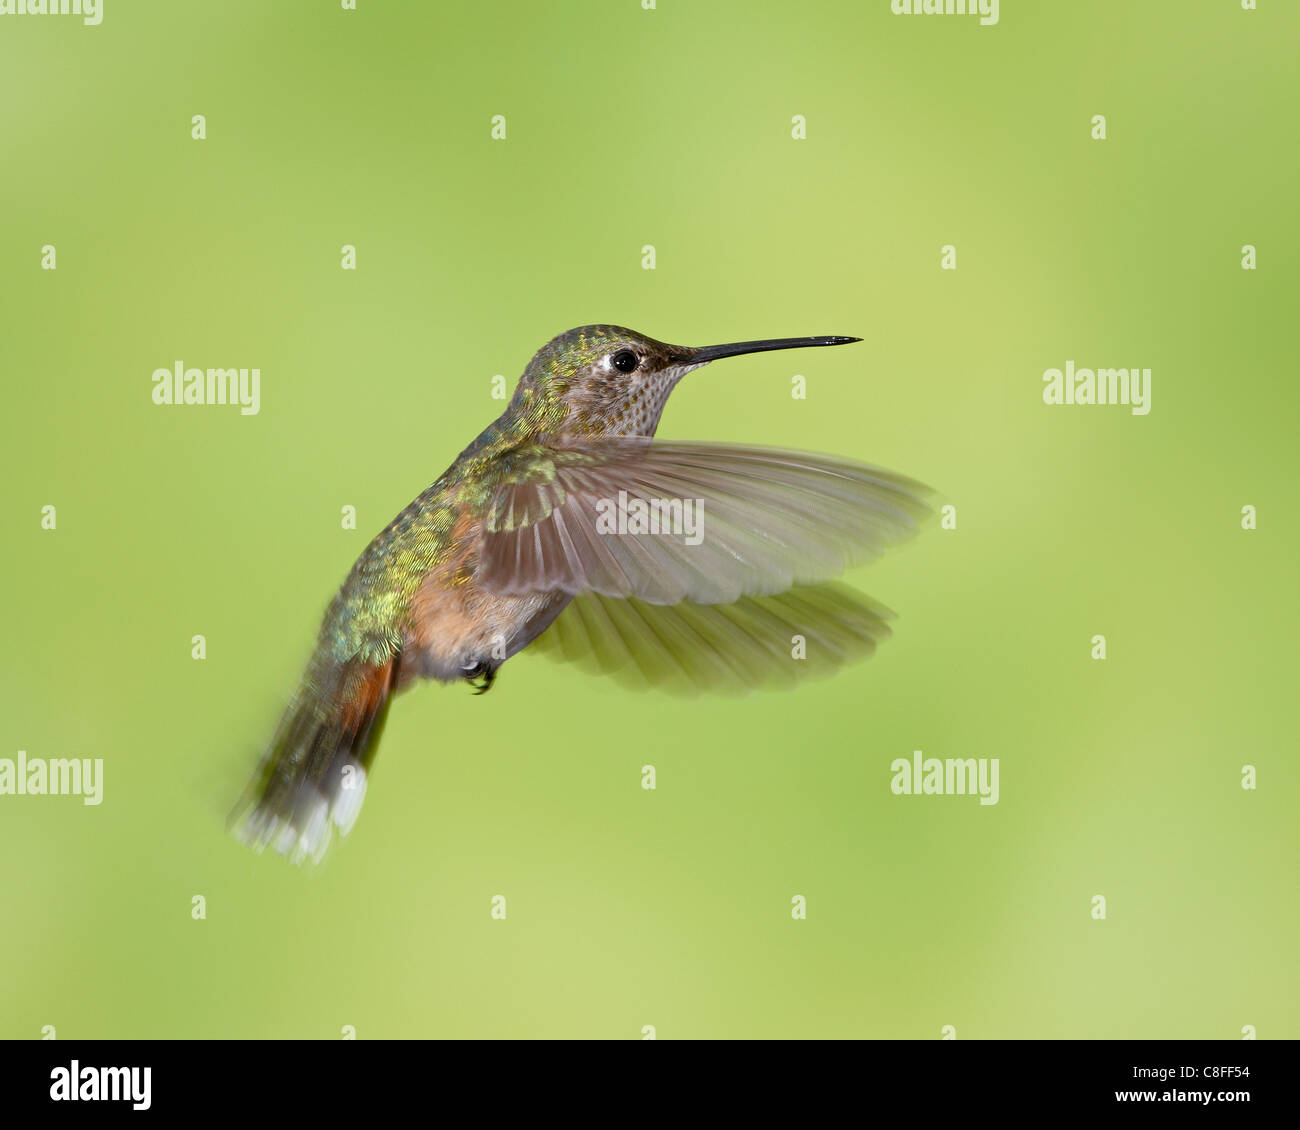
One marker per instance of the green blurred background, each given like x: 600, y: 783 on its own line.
x: 670, y: 127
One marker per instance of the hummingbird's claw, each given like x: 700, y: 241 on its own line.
x: 480, y: 677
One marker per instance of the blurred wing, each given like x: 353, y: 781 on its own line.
x: 666, y: 522
x: 685, y: 648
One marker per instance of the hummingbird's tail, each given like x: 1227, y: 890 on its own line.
x: 313, y: 778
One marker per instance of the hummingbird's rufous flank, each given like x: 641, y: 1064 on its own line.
x: 674, y: 563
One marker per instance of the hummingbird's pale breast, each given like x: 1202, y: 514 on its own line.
x: 456, y: 626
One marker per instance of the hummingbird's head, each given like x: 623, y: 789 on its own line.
x: 608, y: 380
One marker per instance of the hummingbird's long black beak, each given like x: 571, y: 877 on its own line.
x: 734, y: 349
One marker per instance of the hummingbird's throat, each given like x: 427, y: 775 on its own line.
x: 628, y: 407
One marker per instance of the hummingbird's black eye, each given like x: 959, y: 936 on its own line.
x: 625, y: 361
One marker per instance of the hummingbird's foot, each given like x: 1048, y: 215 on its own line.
x: 480, y: 676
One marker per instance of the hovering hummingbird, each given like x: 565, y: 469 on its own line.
x: 681, y: 564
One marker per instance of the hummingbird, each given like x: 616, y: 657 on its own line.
x: 568, y: 526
